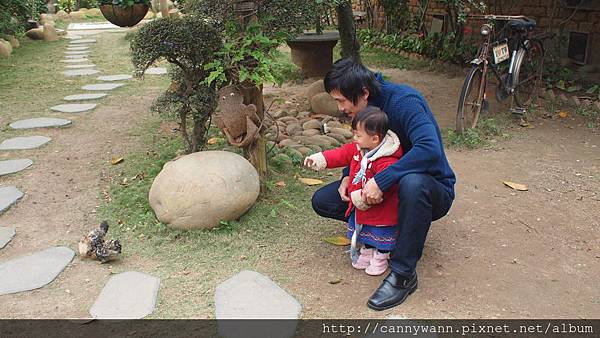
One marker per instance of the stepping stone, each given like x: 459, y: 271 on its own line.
x: 71, y: 57
x: 84, y: 97
x: 156, y: 71
x: 14, y: 166
x: 74, y: 107
x: 75, y: 60
x: 78, y: 48
x: 39, y: 122
x: 128, y: 295
x: 80, y: 41
x: 80, y: 72
x: 77, y: 52
x: 8, y: 196
x: 250, y: 295
x: 102, y: 86
x: 6, y: 234
x: 33, y: 271
x: 118, y: 77
x: 79, y: 66
x: 26, y: 142
x: 73, y: 37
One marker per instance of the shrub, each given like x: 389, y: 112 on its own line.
x: 188, y: 43
x: 15, y: 13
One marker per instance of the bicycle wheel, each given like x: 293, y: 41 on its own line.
x: 528, y: 74
x: 470, y: 101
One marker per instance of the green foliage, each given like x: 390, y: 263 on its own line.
x: 88, y: 3
x: 15, y: 13
x: 250, y: 56
x: 435, y: 46
x: 188, y: 43
x: 66, y: 5
x: 124, y: 3
x: 397, y: 15
x: 277, y: 18
x: 487, y: 128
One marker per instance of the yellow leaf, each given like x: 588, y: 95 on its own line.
x: 340, y: 240
x: 516, y: 186
x: 335, y: 281
x: 310, y: 181
x: 116, y: 160
x: 213, y: 140
x: 563, y: 114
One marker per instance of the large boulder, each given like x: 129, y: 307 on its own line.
x: 323, y: 103
x: 35, y: 34
x: 94, y: 12
x: 314, y: 89
x: 62, y: 15
x: 50, y: 33
x: 199, y: 190
x: 5, y: 48
x: 14, y: 42
x: 78, y: 15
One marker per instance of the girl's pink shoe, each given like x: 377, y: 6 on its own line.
x: 364, y: 260
x: 378, y: 264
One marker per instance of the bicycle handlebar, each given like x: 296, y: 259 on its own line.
x: 497, y: 17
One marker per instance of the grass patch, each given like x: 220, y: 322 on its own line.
x: 191, y: 263
x: 591, y: 115
x: 377, y: 57
x: 487, y: 130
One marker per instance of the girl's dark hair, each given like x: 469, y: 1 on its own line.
x: 373, y: 120
x: 351, y: 78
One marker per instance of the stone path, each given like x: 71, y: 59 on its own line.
x: 6, y: 234
x: 40, y: 122
x: 14, y: 166
x: 74, y: 107
x: 24, y: 142
x: 81, y: 72
x: 156, y: 71
x: 79, y: 97
x: 102, y: 86
x: 33, y: 271
x: 128, y: 295
x: 9, y: 196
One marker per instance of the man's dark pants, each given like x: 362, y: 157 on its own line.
x: 422, y: 200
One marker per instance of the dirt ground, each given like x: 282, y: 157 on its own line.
x: 499, y: 253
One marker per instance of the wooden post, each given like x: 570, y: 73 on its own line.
x: 164, y: 8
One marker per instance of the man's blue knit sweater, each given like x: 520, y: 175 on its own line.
x: 411, y: 119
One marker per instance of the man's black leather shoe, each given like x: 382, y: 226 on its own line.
x: 393, y: 291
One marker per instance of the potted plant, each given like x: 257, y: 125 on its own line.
x: 124, y: 13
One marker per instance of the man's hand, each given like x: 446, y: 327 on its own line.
x: 371, y: 193
x: 343, y: 189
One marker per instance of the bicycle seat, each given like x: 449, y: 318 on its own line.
x: 524, y: 24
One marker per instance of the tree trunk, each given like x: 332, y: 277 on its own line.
x: 164, y: 8
x: 349, y: 43
x: 257, y: 151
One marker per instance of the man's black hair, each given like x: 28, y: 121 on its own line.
x: 351, y: 78
x: 373, y: 120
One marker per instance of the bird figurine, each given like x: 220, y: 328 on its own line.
x: 94, y: 246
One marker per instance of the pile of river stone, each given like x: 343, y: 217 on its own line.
x: 301, y: 133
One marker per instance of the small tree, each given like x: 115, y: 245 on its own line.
x: 188, y: 43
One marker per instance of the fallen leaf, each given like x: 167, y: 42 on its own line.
x: 310, y: 181
x: 116, y: 160
x: 335, y: 281
x: 280, y: 184
x: 213, y: 140
x: 516, y: 186
x: 339, y: 241
x: 563, y: 114
x: 524, y: 123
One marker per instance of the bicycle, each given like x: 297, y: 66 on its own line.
x: 520, y: 79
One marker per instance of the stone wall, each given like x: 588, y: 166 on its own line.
x: 550, y: 15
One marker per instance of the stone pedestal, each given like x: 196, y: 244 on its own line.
x: 313, y: 53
